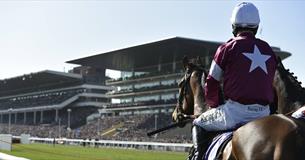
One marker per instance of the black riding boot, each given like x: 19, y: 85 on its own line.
x: 200, y: 141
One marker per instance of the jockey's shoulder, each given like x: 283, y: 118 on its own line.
x: 226, y: 44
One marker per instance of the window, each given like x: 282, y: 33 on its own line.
x: 168, y: 82
x: 146, y: 98
x: 168, y: 96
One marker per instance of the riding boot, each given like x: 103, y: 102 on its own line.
x: 200, y: 141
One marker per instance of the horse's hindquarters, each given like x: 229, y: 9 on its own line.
x: 269, y: 138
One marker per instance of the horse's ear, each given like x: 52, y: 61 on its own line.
x: 185, y: 62
x: 279, y: 62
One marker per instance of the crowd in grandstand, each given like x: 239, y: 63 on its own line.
x: 33, y: 130
x: 123, y: 128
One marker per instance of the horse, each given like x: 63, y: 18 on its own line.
x: 275, y: 137
x: 290, y: 93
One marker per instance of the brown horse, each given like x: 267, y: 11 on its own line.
x: 291, y: 95
x: 276, y: 137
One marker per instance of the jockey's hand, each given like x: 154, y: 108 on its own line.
x: 181, y: 117
x: 178, y: 116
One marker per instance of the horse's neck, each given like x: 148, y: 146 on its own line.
x: 285, y: 90
x: 199, y: 102
x: 198, y: 91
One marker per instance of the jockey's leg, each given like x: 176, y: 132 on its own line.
x: 200, y: 141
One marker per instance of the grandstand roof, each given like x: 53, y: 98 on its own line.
x: 150, y: 54
x: 36, y: 81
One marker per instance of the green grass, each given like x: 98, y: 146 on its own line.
x: 61, y: 152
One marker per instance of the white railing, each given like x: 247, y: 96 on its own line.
x: 182, y: 147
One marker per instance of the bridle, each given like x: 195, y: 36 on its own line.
x: 184, y: 84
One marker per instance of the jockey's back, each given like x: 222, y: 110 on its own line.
x: 250, y: 69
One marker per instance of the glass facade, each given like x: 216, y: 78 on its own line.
x: 146, y: 98
x: 168, y: 96
x: 146, y: 84
x: 168, y: 82
x: 156, y: 86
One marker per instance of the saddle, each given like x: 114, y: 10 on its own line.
x: 217, y: 146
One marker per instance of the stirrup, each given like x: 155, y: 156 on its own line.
x: 191, y: 153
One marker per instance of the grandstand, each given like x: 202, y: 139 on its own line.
x: 150, y: 73
x: 48, y: 97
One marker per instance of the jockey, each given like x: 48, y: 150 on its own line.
x: 246, y: 66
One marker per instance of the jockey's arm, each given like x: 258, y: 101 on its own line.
x: 212, y: 92
x: 212, y: 85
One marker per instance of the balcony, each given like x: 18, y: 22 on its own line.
x: 144, y: 90
x: 144, y: 77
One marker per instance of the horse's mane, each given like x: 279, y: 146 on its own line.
x: 295, y: 91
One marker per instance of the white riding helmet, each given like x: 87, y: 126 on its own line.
x: 245, y: 14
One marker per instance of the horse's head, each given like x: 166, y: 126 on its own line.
x: 289, y: 91
x: 191, y: 94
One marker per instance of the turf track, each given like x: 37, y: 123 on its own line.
x: 62, y: 152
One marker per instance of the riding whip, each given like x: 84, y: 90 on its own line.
x: 169, y: 127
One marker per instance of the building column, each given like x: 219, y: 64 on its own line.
x: 24, y: 117
x: 159, y: 67
x: 1, y: 118
x: 9, y: 122
x: 174, y: 66
x: 56, y: 115
x: 41, y: 117
x: 16, y: 117
x: 34, y: 119
x: 132, y: 85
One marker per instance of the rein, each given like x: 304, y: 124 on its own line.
x: 184, y: 84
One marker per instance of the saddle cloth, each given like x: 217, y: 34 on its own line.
x: 217, y: 145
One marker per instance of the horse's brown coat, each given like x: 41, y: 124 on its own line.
x: 276, y: 137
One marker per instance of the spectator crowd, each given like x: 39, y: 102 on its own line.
x: 122, y: 128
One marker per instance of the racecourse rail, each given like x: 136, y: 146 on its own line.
x: 181, y: 147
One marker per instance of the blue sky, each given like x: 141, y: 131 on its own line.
x: 39, y: 35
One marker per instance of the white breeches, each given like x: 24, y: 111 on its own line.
x: 230, y: 115
x: 300, y: 113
